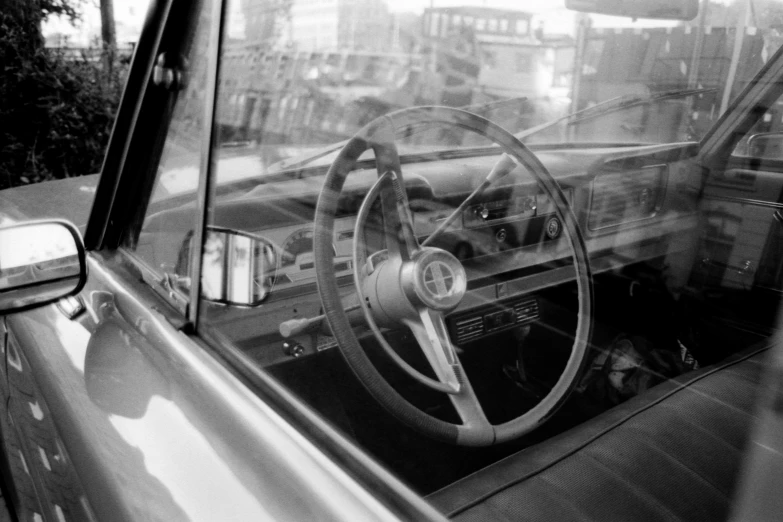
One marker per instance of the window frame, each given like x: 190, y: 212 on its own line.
x: 135, y: 148
x: 130, y: 169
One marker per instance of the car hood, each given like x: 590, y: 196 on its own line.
x: 69, y: 199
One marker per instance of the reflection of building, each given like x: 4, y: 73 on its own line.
x: 515, y: 59
x: 258, y: 21
x: 619, y: 62
x: 488, y: 24
x: 340, y: 24
x: 310, y: 97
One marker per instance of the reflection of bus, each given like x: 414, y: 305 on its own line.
x: 278, y: 97
x: 307, y: 97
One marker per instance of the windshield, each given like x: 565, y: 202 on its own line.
x: 301, y: 83
x: 296, y: 87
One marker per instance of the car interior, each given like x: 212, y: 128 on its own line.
x: 675, y: 351
x: 517, y: 328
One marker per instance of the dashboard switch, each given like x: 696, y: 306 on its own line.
x: 293, y: 348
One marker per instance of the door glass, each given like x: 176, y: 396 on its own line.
x: 360, y: 173
x: 171, y: 214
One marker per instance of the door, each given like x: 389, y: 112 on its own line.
x: 737, y: 273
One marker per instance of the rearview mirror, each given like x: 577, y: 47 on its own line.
x: 40, y: 262
x: 237, y: 268
x: 658, y: 9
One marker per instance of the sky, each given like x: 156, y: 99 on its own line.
x: 129, y: 16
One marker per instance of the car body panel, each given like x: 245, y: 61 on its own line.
x: 69, y: 199
x: 143, y: 433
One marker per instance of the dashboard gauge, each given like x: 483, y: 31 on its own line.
x: 297, y: 251
x: 298, y: 243
x: 552, y: 227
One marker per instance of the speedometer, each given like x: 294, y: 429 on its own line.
x: 298, y: 252
x: 298, y: 243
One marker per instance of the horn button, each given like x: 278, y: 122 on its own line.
x: 438, y: 279
x: 395, y: 289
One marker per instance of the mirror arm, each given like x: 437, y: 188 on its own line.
x: 171, y: 283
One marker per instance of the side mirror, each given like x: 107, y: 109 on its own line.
x: 658, y: 9
x: 766, y: 145
x: 237, y: 268
x: 40, y: 262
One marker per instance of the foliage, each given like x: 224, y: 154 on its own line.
x: 65, y: 8
x: 56, y: 111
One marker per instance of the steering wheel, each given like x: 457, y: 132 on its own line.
x: 417, y: 285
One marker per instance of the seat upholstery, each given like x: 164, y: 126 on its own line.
x: 672, y: 453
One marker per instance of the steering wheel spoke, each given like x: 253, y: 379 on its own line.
x: 431, y: 333
x: 400, y: 239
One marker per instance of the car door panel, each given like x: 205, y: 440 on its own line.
x: 50, y: 488
x: 128, y: 395
x: 740, y: 251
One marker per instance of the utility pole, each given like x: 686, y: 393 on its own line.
x: 583, y: 23
x: 693, y: 72
x: 739, y: 35
x: 108, y: 34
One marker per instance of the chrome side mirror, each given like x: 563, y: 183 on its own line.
x: 40, y: 262
x: 237, y: 268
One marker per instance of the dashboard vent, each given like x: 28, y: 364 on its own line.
x: 473, y: 325
x: 526, y: 311
x: 469, y: 329
x: 626, y: 197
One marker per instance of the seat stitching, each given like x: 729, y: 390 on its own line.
x: 574, y: 508
x: 640, y: 493
x: 744, y: 375
x: 680, y: 387
x: 651, y: 443
x: 708, y: 432
x: 496, y: 511
x: 569, y: 497
x: 725, y: 404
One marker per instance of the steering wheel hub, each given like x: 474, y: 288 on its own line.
x: 439, y: 281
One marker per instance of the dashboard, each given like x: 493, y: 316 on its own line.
x: 510, y: 240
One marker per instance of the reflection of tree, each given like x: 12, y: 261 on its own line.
x: 212, y: 265
x: 214, y: 248
x: 241, y: 252
x: 35, y: 244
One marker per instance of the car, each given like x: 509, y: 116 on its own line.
x: 345, y: 262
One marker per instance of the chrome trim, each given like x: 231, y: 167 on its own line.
x: 206, y: 183
x: 745, y: 201
x: 744, y: 269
